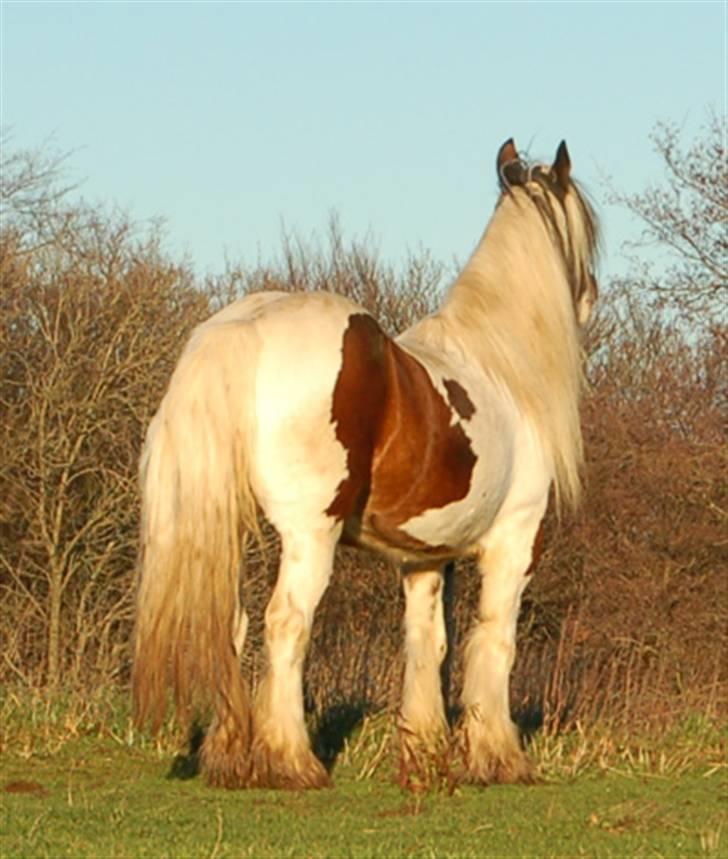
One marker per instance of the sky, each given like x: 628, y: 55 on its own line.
x: 234, y: 121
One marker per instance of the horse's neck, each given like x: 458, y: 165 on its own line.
x: 508, y: 314
x: 509, y: 311
x: 447, y: 337
x: 489, y: 272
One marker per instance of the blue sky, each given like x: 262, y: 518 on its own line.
x: 231, y: 119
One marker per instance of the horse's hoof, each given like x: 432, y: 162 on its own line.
x: 273, y: 769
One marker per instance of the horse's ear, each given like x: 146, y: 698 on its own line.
x: 509, y: 166
x: 506, y: 154
x: 562, y: 165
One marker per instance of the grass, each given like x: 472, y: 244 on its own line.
x: 75, y: 784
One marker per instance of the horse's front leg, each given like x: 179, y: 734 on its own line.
x: 422, y: 721
x: 281, y: 752
x: 487, y: 737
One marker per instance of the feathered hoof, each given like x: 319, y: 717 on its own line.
x: 423, y: 768
x: 490, y: 753
x: 225, y: 764
x: 515, y: 768
x: 274, y: 769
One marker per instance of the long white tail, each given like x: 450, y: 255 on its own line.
x: 197, y: 508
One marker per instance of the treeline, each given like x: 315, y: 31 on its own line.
x: 626, y: 617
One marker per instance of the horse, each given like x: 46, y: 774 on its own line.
x: 441, y: 443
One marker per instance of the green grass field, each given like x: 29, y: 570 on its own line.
x: 104, y: 797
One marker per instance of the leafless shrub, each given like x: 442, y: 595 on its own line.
x: 627, y: 617
x: 395, y: 295
x: 91, y: 322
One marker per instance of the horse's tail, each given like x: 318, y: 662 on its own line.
x: 197, y: 510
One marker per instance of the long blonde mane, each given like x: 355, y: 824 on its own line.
x: 515, y: 308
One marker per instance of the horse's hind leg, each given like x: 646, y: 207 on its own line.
x: 282, y: 755
x: 422, y: 722
x: 488, y: 738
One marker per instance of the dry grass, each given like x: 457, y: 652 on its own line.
x: 37, y: 725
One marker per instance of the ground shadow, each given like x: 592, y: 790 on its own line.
x: 529, y: 722
x: 187, y: 766
x: 334, y: 727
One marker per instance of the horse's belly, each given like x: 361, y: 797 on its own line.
x: 436, y: 533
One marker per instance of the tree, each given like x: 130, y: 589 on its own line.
x: 91, y: 321
x: 686, y: 215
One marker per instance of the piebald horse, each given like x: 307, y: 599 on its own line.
x: 440, y: 443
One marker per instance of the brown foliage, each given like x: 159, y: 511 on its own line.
x: 396, y: 296
x: 634, y: 590
x: 90, y: 325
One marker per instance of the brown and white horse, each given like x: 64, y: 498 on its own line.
x: 438, y: 444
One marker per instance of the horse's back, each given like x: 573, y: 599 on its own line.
x: 279, y: 308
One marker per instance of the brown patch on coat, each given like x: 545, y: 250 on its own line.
x: 357, y: 408
x: 422, y: 460
x: 459, y: 399
x: 392, y: 536
x: 536, y: 551
x: 404, y: 453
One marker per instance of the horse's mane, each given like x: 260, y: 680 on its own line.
x: 550, y: 199
x: 514, y: 306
